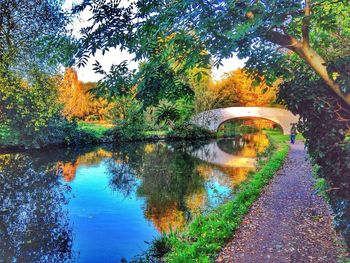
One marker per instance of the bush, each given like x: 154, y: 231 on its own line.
x: 129, y: 119
x: 166, y: 112
x: 188, y: 130
x: 324, y: 123
x: 30, y: 108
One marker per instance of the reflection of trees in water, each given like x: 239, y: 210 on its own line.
x: 68, y: 169
x: 169, y: 181
x: 33, y: 224
x: 228, y: 176
x: 248, y: 145
x: 169, y: 178
x: 122, y: 177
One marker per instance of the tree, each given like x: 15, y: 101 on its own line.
x: 165, y: 72
x: 237, y: 88
x: 253, y: 29
x: 72, y: 95
x: 33, y: 32
x: 31, y: 108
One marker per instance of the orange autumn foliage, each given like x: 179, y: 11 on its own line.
x: 237, y: 88
x: 78, y: 102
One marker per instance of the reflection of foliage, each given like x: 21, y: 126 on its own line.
x: 122, y: 178
x: 168, y: 180
x: 33, y: 224
x: 229, y: 176
x: 68, y: 169
x: 248, y: 145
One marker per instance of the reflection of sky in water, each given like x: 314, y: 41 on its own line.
x: 107, y: 226
x: 217, y: 193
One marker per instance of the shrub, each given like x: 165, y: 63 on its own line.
x: 30, y: 108
x: 129, y: 119
x: 324, y: 123
x: 167, y: 113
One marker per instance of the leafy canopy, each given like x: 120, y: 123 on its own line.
x: 34, y: 32
x: 253, y: 29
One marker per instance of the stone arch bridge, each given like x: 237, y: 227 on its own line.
x: 212, y: 119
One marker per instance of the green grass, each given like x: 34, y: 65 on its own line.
x: 205, y: 236
x: 8, y: 137
x: 94, y: 129
x: 162, y: 133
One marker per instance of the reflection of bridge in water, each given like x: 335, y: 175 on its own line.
x: 213, y: 154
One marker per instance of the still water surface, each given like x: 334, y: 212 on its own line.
x: 100, y: 204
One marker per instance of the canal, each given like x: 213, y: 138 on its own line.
x: 105, y: 203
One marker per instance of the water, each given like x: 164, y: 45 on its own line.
x: 100, y: 204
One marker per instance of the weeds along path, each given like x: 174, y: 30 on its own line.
x: 289, y: 222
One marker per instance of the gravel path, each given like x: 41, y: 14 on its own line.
x: 288, y: 223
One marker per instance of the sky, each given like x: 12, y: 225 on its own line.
x: 116, y: 56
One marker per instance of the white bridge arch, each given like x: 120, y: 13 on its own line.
x: 212, y: 119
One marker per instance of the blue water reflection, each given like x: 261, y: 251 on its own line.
x: 101, y: 204
x: 106, y: 222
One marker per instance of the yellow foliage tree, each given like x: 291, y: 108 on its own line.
x: 77, y: 101
x: 237, y: 88
x: 71, y: 94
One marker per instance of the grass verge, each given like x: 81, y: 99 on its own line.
x: 204, y: 238
x: 94, y: 129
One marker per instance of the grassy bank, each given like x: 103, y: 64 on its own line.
x: 205, y: 236
x: 95, y: 130
x: 82, y: 133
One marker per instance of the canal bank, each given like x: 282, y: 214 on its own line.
x: 289, y: 222
x: 283, y: 222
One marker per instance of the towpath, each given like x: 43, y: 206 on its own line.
x: 289, y: 222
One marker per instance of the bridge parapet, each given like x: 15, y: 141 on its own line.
x: 212, y: 119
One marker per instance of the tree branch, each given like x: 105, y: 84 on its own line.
x: 306, y: 24
x: 285, y: 41
x: 310, y: 56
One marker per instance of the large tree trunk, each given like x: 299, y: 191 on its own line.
x: 316, y: 62
x: 319, y: 65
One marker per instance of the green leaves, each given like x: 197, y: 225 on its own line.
x: 166, y: 112
x: 28, y: 28
x: 31, y: 109
x: 221, y: 28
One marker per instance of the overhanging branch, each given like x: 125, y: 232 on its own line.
x: 306, y: 24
